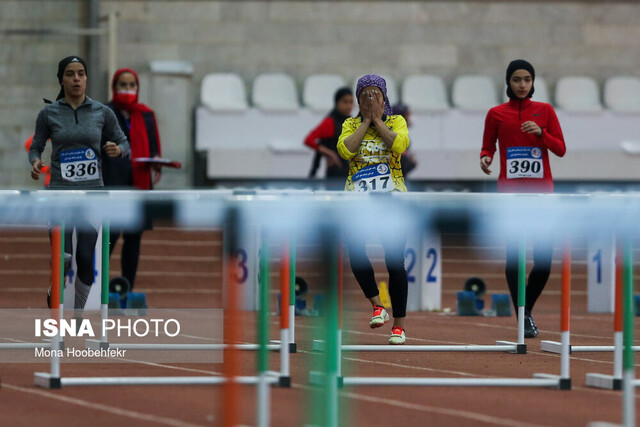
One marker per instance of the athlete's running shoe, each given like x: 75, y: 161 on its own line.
x: 379, y: 317
x: 530, y: 328
x: 397, y: 336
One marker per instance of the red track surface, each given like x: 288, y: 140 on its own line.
x: 183, y: 269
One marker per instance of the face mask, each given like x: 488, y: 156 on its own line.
x: 125, y: 99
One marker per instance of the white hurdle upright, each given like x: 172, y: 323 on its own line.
x: 53, y: 379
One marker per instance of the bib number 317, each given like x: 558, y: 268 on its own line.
x: 374, y: 178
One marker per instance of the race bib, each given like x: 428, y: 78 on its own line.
x: 374, y: 178
x: 524, y: 162
x: 79, y: 165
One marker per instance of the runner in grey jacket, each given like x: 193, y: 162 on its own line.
x: 76, y: 135
x: 76, y: 125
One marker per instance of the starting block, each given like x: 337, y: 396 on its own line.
x: 136, y: 304
x: 467, y: 304
x: 636, y: 304
x: 501, y: 304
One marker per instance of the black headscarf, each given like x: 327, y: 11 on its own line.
x: 519, y: 64
x: 62, y: 65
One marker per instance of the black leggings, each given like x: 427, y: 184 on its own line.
x: 363, y: 271
x: 86, y: 236
x: 542, y: 257
x: 130, y: 252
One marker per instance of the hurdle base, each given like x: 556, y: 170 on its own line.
x: 45, y: 380
x: 519, y: 348
x: 552, y: 347
x: 563, y: 383
x: 319, y: 378
x: 607, y: 382
x: 96, y: 345
x: 284, y: 381
x: 318, y: 345
x: 292, y: 346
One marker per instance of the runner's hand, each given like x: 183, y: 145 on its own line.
x: 377, y: 105
x: 485, y: 162
x: 365, y: 106
x: 36, y: 167
x: 531, y: 127
x: 112, y: 150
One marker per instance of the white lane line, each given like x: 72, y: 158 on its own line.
x: 436, y: 410
x: 100, y: 407
x: 140, y: 273
x: 426, y: 408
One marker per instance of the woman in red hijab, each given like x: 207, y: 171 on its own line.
x: 138, y: 122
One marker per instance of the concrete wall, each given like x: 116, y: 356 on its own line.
x: 594, y: 38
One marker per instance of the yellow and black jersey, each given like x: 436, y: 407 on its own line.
x: 375, y: 167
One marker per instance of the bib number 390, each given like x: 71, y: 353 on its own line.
x: 375, y: 178
x: 524, y: 162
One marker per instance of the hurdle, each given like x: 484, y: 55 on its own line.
x: 53, y: 379
x: 560, y: 382
x: 284, y: 345
x: 518, y: 347
x: 597, y: 380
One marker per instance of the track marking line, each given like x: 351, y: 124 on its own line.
x: 474, y: 416
x: 100, y: 407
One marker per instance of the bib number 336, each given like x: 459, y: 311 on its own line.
x: 79, y: 165
x: 374, y: 178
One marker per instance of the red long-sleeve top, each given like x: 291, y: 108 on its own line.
x: 326, y: 129
x: 503, y: 125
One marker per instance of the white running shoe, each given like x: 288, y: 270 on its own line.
x: 379, y: 317
x: 397, y: 336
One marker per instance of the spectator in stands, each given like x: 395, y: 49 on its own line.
x: 526, y: 131
x: 138, y: 123
x: 76, y: 125
x: 408, y: 160
x: 324, y: 138
x: 373, y: 143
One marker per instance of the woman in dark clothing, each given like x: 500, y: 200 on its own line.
x: 527, y: 131
x: 138, y: 122
x: 324, y: 139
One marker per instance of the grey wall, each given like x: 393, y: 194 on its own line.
x: 397, y: 38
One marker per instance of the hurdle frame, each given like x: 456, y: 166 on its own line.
x: 54, y: 379
x: 560, y: 382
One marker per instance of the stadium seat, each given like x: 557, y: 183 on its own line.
x: 425, y: 93
x: 622, y: 94
x: 392, y: 88
x: 578, y: 94
x: 275, y: 92
x: 473, y: 93
x: 223, y: 92
x: 541, y: 94
x: 318, y: 91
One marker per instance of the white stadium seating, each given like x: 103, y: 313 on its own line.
x: 223, y: 92
x: 622, y: 94
x: 473, y: 93
x: 425, y: 93
x: 318, y: 91
x: 578, y: 94
x: 265, y: 140
x: 275, y: 92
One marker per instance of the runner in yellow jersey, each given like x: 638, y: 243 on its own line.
x: 373, y: 143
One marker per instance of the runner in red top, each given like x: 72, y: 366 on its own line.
x: 526, y: 132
